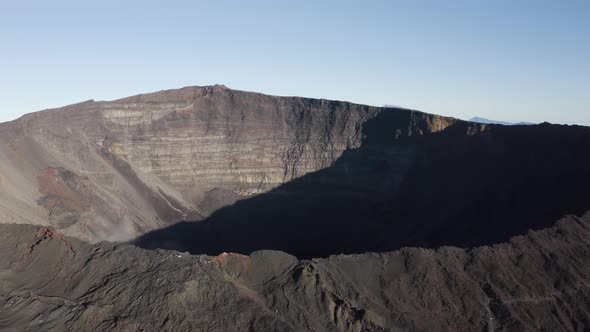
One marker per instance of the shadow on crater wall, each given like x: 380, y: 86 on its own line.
x: 462, y: 187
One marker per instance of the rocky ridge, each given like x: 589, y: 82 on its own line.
x: 536, y: 282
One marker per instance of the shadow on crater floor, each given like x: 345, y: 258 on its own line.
x: 455, y: 187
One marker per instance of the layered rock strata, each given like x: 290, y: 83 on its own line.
x: 115, y: 170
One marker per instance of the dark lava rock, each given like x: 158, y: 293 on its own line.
x: 536, y: 282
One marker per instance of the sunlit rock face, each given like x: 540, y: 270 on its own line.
x: 115, y: 170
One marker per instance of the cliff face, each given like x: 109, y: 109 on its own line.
x: 115, y: 170
x: 466, y: 185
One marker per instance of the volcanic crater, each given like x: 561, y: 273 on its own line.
x: 289, y: 213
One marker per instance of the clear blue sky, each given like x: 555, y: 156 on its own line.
x: 507, y: 60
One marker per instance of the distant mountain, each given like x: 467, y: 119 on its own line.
x: 488, y: 121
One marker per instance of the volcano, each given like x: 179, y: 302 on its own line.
x: 201, y: 207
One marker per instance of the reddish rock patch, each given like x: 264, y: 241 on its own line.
x: 45, y: 233
x: 59, y: 187
x: 233, y: 261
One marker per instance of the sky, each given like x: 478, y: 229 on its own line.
x: 511, y: 60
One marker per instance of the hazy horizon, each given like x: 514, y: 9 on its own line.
x: 497, y: 60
